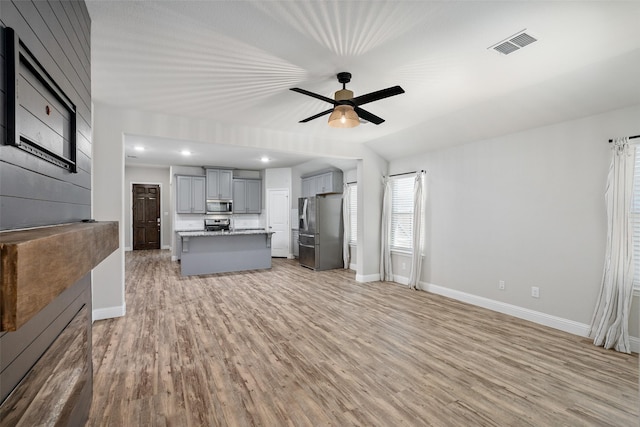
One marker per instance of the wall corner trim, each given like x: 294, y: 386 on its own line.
x: 108, y: 312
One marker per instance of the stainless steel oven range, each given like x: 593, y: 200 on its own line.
x: 217, y: 224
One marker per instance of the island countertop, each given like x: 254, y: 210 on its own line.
x: 236, y: 232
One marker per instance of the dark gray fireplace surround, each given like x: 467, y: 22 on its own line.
x: 45, y: 180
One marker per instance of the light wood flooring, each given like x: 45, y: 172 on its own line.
x: 293, y: 347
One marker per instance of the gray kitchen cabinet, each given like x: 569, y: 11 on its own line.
x: 219, y: 184
x: 307, y: 185
x: 247, y: 196
x: 322, y: 183
x: 190, y: 194
x: 254, y: 196
x: 239, y: 196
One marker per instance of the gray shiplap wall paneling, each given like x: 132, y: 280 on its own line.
x: 34, y: 192
x: 18, y: 355
x: 69, y: 44
x: 56, y: 34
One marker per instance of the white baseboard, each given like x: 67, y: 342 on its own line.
x: 127, y: 248
x: 576, y: 328
x: 174, y: 258
x: 291, y: 256
x: 401, y: 279
x: 353, y: 267
x: 566, y: 325
x: 108, y: 312
x: 364, y: 278
x: 166, y: 247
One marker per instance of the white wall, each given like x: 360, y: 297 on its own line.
x: 108, y: 205
x: 370, y: 171
x: 526, y: 208
x: 352, y: 176
x: 148, y: 175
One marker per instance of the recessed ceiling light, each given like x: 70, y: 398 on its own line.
x: 264, y: 159
x: 138, y: 148
x: 185, y: 152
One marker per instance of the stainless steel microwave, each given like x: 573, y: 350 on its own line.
x: 219, y: 207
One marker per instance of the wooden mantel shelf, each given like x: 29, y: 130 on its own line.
x: 38, y: 264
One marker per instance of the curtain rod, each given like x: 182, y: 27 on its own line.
x: 405, y: 173
x: 631, y: 137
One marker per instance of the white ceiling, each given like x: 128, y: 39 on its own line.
x: 233, y: 62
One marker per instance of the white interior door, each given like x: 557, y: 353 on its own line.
x: 278, y: 210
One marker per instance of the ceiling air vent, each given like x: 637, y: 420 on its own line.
x: 513, y: 43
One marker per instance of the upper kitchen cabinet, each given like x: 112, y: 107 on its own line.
x: 219, y: 184
x: 322, y: 183
x: 247, y: 196
x: 190, y: 194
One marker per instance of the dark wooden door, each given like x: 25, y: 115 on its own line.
x: 146, y: 216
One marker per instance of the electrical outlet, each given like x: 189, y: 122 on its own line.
x: 501, y: 285
x: 535, y: 292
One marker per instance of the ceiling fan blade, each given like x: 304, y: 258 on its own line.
x: 365, y: 115
x: 374, y: 96
x: 314, y: 95
x: 324, y: 113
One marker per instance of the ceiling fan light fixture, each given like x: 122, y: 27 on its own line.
x: 344, y: 116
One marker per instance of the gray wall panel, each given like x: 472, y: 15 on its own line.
x: 33, y: 213
x: 83, y: 127
x: 53, y: 52
x: 83, y: 144
x: 52, y: 60
x: 19, y: 182
x: 67, y: 8
x: 18, y: 157
x: 34, y: 341
x: 80, y: 43
x: 13, y: 344
x: 79, y: 9
x: 34, y: 192
x: 72, y: 51
x: 83, y: 162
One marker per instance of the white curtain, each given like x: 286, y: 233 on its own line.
x: 386, y: 273
x: 610, y: 322
x: 346, y: 220
x: 418, y: 232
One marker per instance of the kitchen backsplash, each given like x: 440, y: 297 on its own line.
x: 189, y: 223
x: 196, y: 222
x: 247, y: 221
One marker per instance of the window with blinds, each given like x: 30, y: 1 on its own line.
x: 635, y: 220
x: 402, y: 213
x: 353, y: 213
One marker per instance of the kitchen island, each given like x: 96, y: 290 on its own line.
x: 208, y: 252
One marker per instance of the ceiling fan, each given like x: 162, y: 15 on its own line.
x: 347, y: 112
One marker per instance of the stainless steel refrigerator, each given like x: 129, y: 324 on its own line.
x: 320, y: 231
